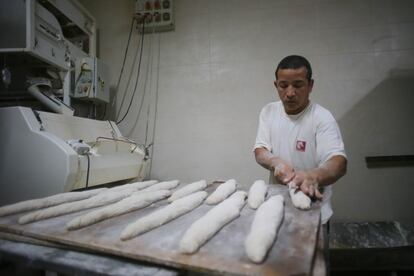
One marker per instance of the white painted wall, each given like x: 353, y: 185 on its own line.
x: 216, y: 71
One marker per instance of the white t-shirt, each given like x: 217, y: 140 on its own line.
x: 305, y: 140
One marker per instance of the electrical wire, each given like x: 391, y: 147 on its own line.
x: 146, y: 93
x: 139, y: 69
x: 150, y: 88
x: 124, y: 60
x: 104, y: 112
x: 156, y: 104
x: 147, y: 123
x: 148, y: 98
x: 87, y: 172
x: 127, y: 81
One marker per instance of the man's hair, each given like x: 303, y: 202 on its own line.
x: 295, y: 62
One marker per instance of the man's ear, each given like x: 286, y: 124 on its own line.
x: 311, y: 83
x: 275, y: 83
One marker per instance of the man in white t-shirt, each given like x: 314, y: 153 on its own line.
x: 297, y: 140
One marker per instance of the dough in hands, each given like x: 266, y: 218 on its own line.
x: 188, y: 189
x: 299, y: 199
x: 106, y: 197
x: 257, y: 194
x: 209, y: 224
x: 166, y: 185
x: 49, y: 201
x: 163, y: 215
x: 222, y: 192
x: 136, y: 201
x: 264, y: 228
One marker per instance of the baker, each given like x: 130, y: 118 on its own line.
x: 298, y: 140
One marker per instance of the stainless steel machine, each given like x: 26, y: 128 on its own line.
x: 45, y: 153
x: 55, y: 40
x: 47, y: 54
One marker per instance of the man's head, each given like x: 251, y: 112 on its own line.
x: 294, y: 83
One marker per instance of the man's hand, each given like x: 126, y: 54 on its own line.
x: 326, y: 174
x: 283, y: 172
x: 307, y: 182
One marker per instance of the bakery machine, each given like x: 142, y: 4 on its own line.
x: 48, y: 58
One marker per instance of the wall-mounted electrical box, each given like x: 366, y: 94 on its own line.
x: 158, y: 15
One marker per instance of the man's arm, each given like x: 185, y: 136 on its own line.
x: 327, y: 174
x: 281, y: 169
x: 331, y: 170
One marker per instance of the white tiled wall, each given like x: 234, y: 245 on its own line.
x: 216, y: 71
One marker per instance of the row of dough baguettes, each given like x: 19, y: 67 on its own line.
x: 130, y: 197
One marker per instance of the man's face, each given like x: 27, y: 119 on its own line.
x: 294, y: 89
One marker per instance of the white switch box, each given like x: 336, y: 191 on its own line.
x: 158, y: 15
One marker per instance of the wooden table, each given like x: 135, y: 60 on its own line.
x: 28, y: 257
x: 292, y: 253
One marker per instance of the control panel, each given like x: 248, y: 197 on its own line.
x: 89, y: 83
x: 158, y: 15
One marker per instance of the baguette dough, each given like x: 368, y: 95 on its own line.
x: 135, y: 185
x: 188, y: 189
x: 49, y: 201
x: 257, y: 194
x: 163, y: 215
x: 264, y: 228
x: 299, y: 199
x: 106, y: 197
x: 136, y: 201
x: 209, y: 224
x: 166, y: 185
x: 222, y: 192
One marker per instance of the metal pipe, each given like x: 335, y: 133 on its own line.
x: 50, y: 101
x: 117, y: 140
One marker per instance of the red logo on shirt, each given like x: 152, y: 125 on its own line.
x: 300, y: 145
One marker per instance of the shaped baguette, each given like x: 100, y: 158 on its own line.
x: 135, y: 185
x: 106, y: 197
x: 136, y: 201
x: 257, y: 194
x: 49, y: 201
x: 188, y: 189
x: 299, y: 199
x: 166, y: 185
x: 222, y: 192
x: 163, y: 215
x: 264, y: 228
x: 209, y: 224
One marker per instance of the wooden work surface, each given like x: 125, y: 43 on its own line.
x: 291, y: 254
